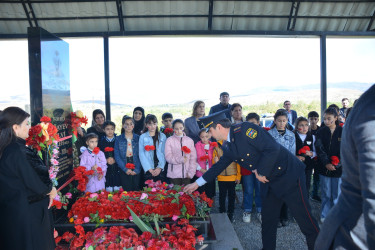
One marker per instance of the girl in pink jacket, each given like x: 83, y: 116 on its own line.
x: 204, y: 157
x: 180, y: 155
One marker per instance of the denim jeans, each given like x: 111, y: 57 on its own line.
x: 251, y: 183
x: 330, y: 191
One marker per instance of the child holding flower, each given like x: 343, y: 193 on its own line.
x: 127, y: 155
x: 328, y: 140
x: 204, y: 150
x: 181, y: 155
x: 305, y: 149
x: 93, y: 159
x: 107, y: 145
x: 151, y: 150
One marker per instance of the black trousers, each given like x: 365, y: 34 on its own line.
x: 130, y: 182
x: 298, y: 203
x: 227, y: 188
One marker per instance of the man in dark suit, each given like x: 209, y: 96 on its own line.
x: 292, y: 114
x: 351, y: 222
x: 223, y: 105
x: 281, y: 173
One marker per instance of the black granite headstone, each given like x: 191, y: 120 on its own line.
x: 50, y: 90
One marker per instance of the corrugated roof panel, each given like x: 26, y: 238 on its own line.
x: 261, y: 8
x: 324, y: 9
x: 8, y: 10
x: 259, y: 24
x: 138, y: 8
x: 313, y: 24
x: 87, y: 25
x: 223, y: 8
x: 144, y: 24
x: 14, y: 27
x: 222, y: 23
x: 357, y: 24
x: 75, y: 9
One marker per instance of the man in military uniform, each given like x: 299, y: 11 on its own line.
x: 281, y: 173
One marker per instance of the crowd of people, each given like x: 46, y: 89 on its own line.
x: 179, y: 152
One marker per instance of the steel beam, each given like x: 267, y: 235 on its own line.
x: 106, y: 79
x: 371, y: 21
x: 210, y: 12
x: 323, y: 73
x: 27, y: 13
x: 120, y: 16
x: 32, y: 13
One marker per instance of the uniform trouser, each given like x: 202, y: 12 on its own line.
x: 298, y: 203
x: 308, y: 173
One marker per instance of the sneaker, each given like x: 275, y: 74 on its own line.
x: 284, y: 223
x: 230, y: 216
x: 246, y: 217
x: 322, y: 220
x: 259, y: 217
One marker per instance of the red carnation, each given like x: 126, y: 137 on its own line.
x: 266, y: 128
x: 149, y: 147
x: 45, y: 119
x: 168, y: 131
x: 109, y: 149
x: 335, y: 160
x: 130, y: 166
x: 99, y: 170
x: 186, y: 150
x: 204, y: 158
x: 96, y: 150
x: 341, y: 124
x: 303, y: 150
x: 213, y: 144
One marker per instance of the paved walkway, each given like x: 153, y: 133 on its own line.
x: 289, y: 237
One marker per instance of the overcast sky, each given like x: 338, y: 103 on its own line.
x: 144, y: 69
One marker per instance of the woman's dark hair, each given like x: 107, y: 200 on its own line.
x: 139, y: 125
x: 298, y: 120
x: 332, y: 111
x: 124, y: 119
x: 177, y: 121
x: 91, y: 136
x: 109, y: 123
x: 195, y: 107
x: 152, y: 118
x: 9, y: 117
x: 252, y: 116
x: 234, y: 105
x: 95, y: 113
x: 279, y: 112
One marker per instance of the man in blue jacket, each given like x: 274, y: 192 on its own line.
x: 223, y: 105
x: 292, y: 114
x: 282, y: 174
x: 351, y: 222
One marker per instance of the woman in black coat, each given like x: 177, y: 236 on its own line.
x: 21, y: 222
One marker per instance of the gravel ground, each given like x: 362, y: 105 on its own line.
x: 289, y: 237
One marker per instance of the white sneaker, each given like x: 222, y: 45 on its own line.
x: 246, y: 217
x: 259, y: 217
x: 322, y: 220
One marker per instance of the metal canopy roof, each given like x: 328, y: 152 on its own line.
x: 133, y: 17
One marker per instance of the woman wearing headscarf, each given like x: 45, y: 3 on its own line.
x: 139, y: 118
x: 98, y: 119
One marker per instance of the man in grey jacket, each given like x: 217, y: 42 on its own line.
x: 351, y: 223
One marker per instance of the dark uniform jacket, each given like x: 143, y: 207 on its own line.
x: 351, y: 222
x: 328, y: 145
x: 254, y: 148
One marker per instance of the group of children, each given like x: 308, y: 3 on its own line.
x: 168, y: 155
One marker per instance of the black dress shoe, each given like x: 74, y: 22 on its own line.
x: 284, y: 223
x: 316, y: 198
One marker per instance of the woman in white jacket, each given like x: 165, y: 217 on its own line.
x: 181, y: 155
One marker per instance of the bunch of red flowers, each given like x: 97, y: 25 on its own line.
x: 42, y: 135
x: 168, y: 131
x: 186, y: 150
x: 204, y: 158
x: 177, y: 236
x: 130, y: 166
x: 149, y: 147
x: 156, y: 199
x: 77, y: 119
x: 303, y: 150
x: 80, y: 175
x: 335, y: 160
x: 213, y: 144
